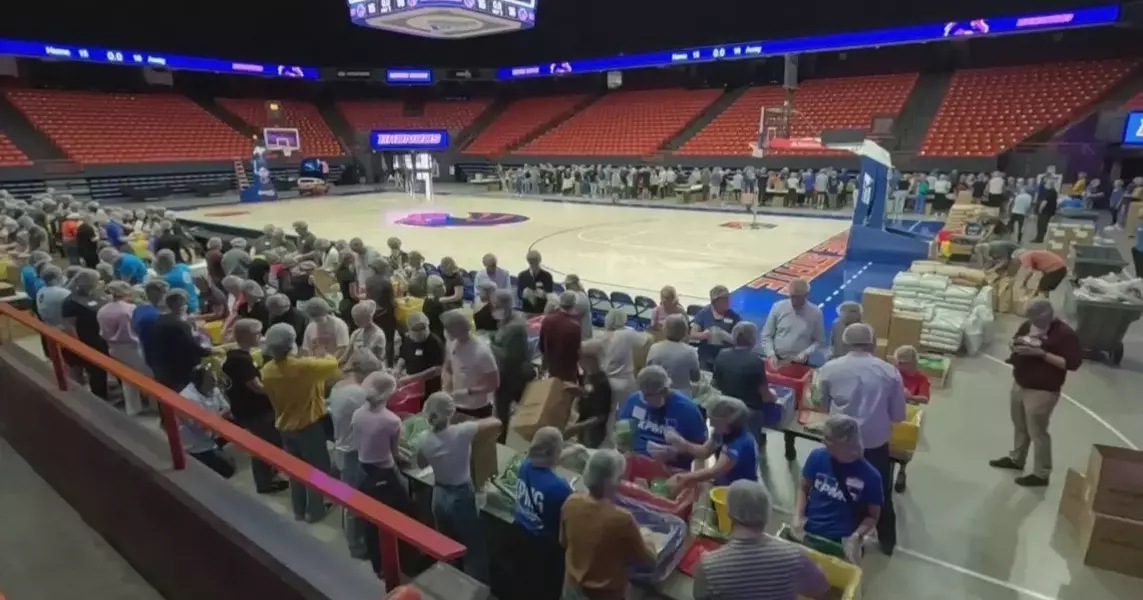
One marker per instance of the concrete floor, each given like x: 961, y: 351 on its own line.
x: 47, y: 552
x: 966, y: 532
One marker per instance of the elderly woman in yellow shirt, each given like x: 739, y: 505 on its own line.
x: 296, y: 387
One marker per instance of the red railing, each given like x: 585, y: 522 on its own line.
x: 392, y: 524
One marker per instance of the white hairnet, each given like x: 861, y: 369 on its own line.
x: 744, y: 334
x: 859, y: 334
x: 675, y: 328
x: 748, y: 504
x: 603, y: 471
x: 439, y: 410
x: 616, y: 319
x: 849, y: 312
x: 454, y: 322
x: 842, y: 430
x: 316, y: 308
x: 280, y: 340
x: 729, y: 408
x: 906, y: 354
x: 379, y: 387
x: 362, y: 360
x: 546, y: 446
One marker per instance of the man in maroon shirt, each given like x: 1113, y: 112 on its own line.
x: 1044, y: 349
x: 560, y: 338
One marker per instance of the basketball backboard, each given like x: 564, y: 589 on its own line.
x: 284, y: 140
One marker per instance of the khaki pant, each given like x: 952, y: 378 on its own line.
x: 1031, y: 413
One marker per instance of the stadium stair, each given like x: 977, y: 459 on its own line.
x: 703, y: 119
x: 339, y: 126
x: 221, y: 113
x: 480, y: 123
x: 919, y: 109
x: 10, y: 155
x: 989, y: 111
x: 23, y: 135
x: 554, y: 122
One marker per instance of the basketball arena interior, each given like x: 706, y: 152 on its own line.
x: 627, y: 148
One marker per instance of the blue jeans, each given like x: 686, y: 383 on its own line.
x: 454, y: 510
x: 308, y: 444
x: 754, y: 422
x: 352, y: 475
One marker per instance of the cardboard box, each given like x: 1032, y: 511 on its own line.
x: 1115, y: 481
x: 639, y: 353
x: 882, y: 347
x: 904, y: 330
x: 877, y: 309
x: 1105, y: 542
x: 545, y: 402
x: 937, y: 368
x: 482, y: 463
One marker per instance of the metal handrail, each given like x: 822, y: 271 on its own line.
x: 392, y: 524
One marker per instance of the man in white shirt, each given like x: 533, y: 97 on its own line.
x: 470, y: 372
x: 821, y: 184
x: 492, y: 273
x: 996, y: 190
x: 1019, y: 208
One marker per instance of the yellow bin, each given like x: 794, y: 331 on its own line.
x: 907, y: 433
x: 718, y: 501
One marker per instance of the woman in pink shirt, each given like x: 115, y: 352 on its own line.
x: 668, y: 305
x: 122, y: 342
x: 1052, y: 267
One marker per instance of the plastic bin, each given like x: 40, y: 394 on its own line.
x: 1101, y: 326
x: 1095, y: 261
x: 441, y: 582
x: 799, y: 378
x: 648, y: 469
x: 1078, y: 214
x: 905, y: 435
x: 673, y: 528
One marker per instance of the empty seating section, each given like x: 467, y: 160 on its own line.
x: 624, y: 124
x: 1135, y: 103
x: 987, y: 111
x: 364, y: 115
x: 98, y: 128
x: 519, y: 119
x: 316, y: 137
x: 10, y: 155
x: 849, y: 102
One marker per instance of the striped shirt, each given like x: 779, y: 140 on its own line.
x: 758, y: 569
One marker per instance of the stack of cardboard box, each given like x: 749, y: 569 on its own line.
x: 877, y: 311
x: 963, y: 214
x: 1062, y: 236
x: 1106, y: 509
x: 904, y: 330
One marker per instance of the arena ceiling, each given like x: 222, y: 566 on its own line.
x: 318, y: 32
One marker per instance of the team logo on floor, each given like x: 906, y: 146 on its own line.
x: 472, y: 219
x: 747, y: 225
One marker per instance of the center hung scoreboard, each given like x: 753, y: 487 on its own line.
x: 444, y: 19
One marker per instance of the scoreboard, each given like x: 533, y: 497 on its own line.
x: 444, y: 19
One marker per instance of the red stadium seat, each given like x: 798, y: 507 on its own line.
x: 98, y: 128
x: 988, y: 111
x: 519, y: 119
x: 849, y: 102
x: 1135, y: 103
x: 364, y: 115
x: 316, y: 137
x: 632, y: 123
x: 10, y: 155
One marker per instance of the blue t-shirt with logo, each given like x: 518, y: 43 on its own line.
x: 180, y: 277
x: 540, y: 495
x: 131, y: 269
x: 31, y: 282
x: 742, y: 449
x: 650, y: 424
x: 828, y: 513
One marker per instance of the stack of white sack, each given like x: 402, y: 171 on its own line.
x: 984, y: 298
x: 944, y: 331
x: 958, y: 297
x: 978, y: 329
x: 1113, y: 287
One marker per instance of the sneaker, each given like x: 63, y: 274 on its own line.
x: 1032, y: 481
x: 277, y: 485
x: 1006, y: 463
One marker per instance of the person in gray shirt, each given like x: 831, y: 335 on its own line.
x: 678, y: 358
x: 50, y: 298
x: 236, y: 261
x: 509, y: 344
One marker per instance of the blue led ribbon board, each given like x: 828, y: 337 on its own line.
x: 444, y: 19
x: 408, y: 139
x: 1133, y: 129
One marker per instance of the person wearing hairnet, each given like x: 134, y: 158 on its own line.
x: 345, y: 398
x: 677, y: 357
x: 753, y: 565
x: 433, y: 307
x: 619, y: 344
x: 653, y: 409
x: 841, y: 495
x: 596, y: 402
x: 602, y: 540
x: 122, y: 341
x: 509, y: 344
x: 296, y: 387
x: 482, y: 306
x: 560, y: 336
x: 453, y: 282
x: 281, y: 312
x: 447, y: 448
x: 739, y: 372
x: 249, y: 405
x: 422, y: 353
x: 79, y: 312
x: 470, y: 374
x: 376, y: 433
x: 198, y: 441
x: 540, y: 496
x: 737, y: 451
x: 573, y: 284
x: 326, y: 334
x: 178, y: 276
x: 493, y: 273
x: 848, y: 313
x: 916, y: 392
x: 870, y: 390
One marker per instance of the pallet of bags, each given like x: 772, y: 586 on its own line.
x: 945, y: 331
x: 958, y: 297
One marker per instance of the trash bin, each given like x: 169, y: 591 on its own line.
x: 1096, y: 261
x: 1101, y: 326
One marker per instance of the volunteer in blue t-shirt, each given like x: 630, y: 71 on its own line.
x: 654, y: 409
x: 127, y: 267
x: 178, y: 276
x: 540, y: 496
x: 738, y: 452
x: 840, y: 495
x: 712, y: 325
x: 30, y: 273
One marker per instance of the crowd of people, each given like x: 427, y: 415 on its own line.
x: 308, y: 351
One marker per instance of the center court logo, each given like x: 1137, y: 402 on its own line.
x: 472, y: 219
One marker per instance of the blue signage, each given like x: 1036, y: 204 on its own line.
x: 409, y: 76
x: 409, y: 139
x: 933, y: 32
x: 1133, y: 128
x: 151, y: 59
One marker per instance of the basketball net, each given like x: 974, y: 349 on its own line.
x: 774, y: 123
